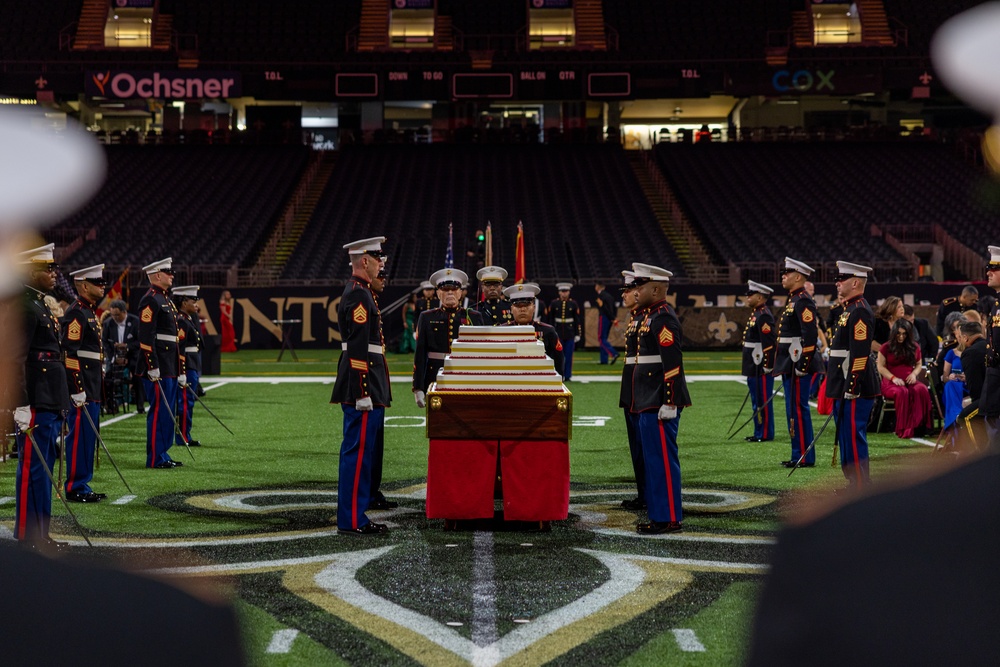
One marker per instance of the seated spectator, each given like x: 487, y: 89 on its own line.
x: 969, y: 422
x: 924, y: 332
x: 953, y: 380
x: 885, y: 316
x: 949, y: 342
x: 899, y: 364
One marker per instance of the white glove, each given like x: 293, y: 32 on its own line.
x: 800, y: 374
x: 848, y: 396
x: 79, y: 399
x: 576, y: 339
x: 153, y: 375
x: 22, y: 417
x: 420, y: 398
x: 667, y: 412
x: 364, y: 404
x: 182, y: 381
x: 767, y: 370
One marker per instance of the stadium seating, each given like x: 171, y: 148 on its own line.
x: 31, y: 31
x: 583, y: 211
x: 256, y: 30
x: 694, y: 29
x: 210, y: 205
x: 758, y: 201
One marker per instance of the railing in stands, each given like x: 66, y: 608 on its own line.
x: 261, y: 274
x: 69, y: 240
x: 66, y: 35
x: 959, y: 255
x: 908, y: 233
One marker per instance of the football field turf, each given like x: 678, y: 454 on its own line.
x: 256, y: 511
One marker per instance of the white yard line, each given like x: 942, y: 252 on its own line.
x: 484, y: 603
x: 687, y: 640
x: 281, y: 640
x: 115, y: 420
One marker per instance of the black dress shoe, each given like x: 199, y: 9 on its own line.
x: 175, y: 464
x: 614, y: 359
x: 382, y: 504
x: 659, y: 527
x: 751, y: 438
x: 190, y: 443
x: 367, y: 529
x: 102, y: 496
x: 791, y: 464
x: 85, y: 497
x: 634, y: 504
x: 163, y: 465
x: 140, y: 411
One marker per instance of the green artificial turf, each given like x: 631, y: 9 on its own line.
x: 287, y: 438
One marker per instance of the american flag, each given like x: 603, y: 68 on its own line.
x: 449, y: 257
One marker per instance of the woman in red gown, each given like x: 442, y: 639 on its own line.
x: 226, y: 322
x: 899, y: 364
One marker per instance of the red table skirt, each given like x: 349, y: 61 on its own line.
x: 461, y: 474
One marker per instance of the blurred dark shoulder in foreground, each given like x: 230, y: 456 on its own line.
x: 906, y: 576
x: 128, y: 619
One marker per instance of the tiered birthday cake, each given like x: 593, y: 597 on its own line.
x: 493, y: 359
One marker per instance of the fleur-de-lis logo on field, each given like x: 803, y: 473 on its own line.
x: 722, y: 329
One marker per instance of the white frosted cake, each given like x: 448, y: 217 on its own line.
x: 506, y: 358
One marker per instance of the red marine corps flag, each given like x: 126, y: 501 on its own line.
x: 116, y: 291
x: 519, y: 272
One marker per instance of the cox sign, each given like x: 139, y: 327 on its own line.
x: 802, y: 81
x: 167, y: 85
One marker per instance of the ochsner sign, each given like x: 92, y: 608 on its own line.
x: 171, y: 84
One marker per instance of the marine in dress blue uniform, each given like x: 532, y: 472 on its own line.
x: 796, y: 360
x: 362, y: 387
x: 161, y: 364
x: 522, y: 299
x: 636, y: 316
x: 968, y: 300
x: 659, y: 395
x: 989, y: 401
x: 759, y: 349
x: 189, y: 342
x: 43, y: 401
x: 495, y: 309
x: 437, y: 328
x: 81, y: 340
x: 564, y: 315
x: 607, y: 317
x: 852, y: 380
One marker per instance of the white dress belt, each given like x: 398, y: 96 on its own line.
x: 372, y: 348
x: 750, y: 344
x: 165, y: 337
x: 190, y: 350
x: 436, y: 355
x: 84, y: 354
x: 564, y: 320
x: 788, y: 339
x: 840, y: 353
x: 644, y: 359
